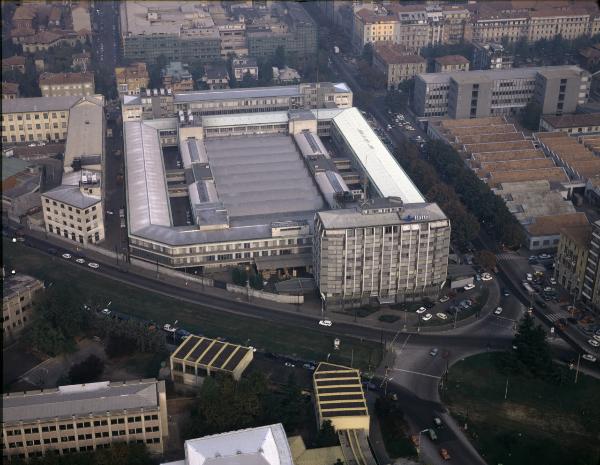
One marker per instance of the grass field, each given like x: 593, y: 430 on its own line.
x: 277, y: 338
x: 555, y: 424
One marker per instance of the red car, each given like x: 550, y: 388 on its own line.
x: 444, y: 453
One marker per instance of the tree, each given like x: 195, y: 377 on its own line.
x: 531, y: 354
x: 367, y: 53
x: 486, y: 259
x: 119, y: 346
x: 87, y: 371
x: 530, y: 116
x: 327, y: 435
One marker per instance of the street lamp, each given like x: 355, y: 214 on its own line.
x: 419, y: 449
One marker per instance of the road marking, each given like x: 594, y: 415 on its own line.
x: 404, y: 345
x: 504, y: 318
x: 415, y: 372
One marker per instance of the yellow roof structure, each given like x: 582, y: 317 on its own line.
x: 319, y: 456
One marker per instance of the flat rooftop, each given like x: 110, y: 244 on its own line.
x: 210, y: 353
x: 338, y: 391
x: 497, y: 74
x: 80, y: 399
x: 261, y: 175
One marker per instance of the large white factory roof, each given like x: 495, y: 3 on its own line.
x: 384, y: 172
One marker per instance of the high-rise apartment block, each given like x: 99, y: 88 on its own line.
x: 84, y: 417
x: 590, y: 292
x: 475, y: 94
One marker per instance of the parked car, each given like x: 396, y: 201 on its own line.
x: 505, y: 292
x: 468, y: 287
x: 444, y: 454
x: 106, y: 311
x: 498, y: 311
x: 441, y: 316
x: 433, y: 352
x: 593, y: 343
x: 169, y: 329
x: 529, y: 277
x: 589, y: 357
x: 553, y: 281
x: 81, y: 261
x: 486, y: 277
x: 325, y: 322
x: 444, y: 298
x: 428, y: 317
x: 66, y: 256
x: 93, y: 265
x: 421, y: 310
x: 437, y: 422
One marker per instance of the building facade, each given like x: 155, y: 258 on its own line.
x: 21, y: 294
x: 475, y: 94
x: 177, y: 77
x: 84, y: 417
x: 490, y: 56
x: 590, y: 293
x: 451, y: 63
x: 242, y: 67
x: 396, y: 65
x: 132, y: 79
x: 67, y: 84
x: 571, y: 258
x: 10, y: 90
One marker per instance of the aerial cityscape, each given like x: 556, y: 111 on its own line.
x: 285, y: 232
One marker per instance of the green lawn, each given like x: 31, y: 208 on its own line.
x: 278, y: 338
x: 556, y: 424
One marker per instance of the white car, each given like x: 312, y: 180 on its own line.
x: 553, y: 281
x: 428, y: 317
x: 486, y: 277
x: 81, y: 261
x: 110, y: 212
x: 468, y: 287
x: 93, y: 265
x: 589, y: 357
x: 325, y: 322
x: 498, y: 311
x: 529, y: 277
x: 593, y: 343
x: 441, y: 316
x: 66, y: 256
x: 290, y: 365
x: 597, y: 337
x: 444, y: 299
x: 421, y: 310
x: 106, y: 311
x: 168, y: 328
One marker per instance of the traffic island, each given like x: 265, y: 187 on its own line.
x: 512, y: 418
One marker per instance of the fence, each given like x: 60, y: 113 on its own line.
x: 284, y: 299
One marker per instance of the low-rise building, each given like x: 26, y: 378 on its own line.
x: 198, y: 357
x: 339, y: 397
x: 20, y: 294
x: 590, y: 56
x: 67, y: 84
x: 242, y: 67
x: 45, y: 40
x: 571, y: 258
x: 84, y: 417
x: 285, y: 75
x: 216, y: 76
x: 20, y: 188
x: 177, y: 77
x: 14, y: 63
x: 131, y: 79
x: 450, y: 63
x: 10, y: 90
x: 396, y: 64
x: 579, y: 123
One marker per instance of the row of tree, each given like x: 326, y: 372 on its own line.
x: 487, y: 207
x: 464, y: 224
x: 225, y: 405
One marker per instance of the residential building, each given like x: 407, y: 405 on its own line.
x: 82, y: 61
x: 575, y: 124
x: 132, y: 79
x: 84, y: 417
x: 396, y: 64
x: 242, y: 67
x: 450, y: 63
x: 45, y: 40
x: 475, y: 94
x: 264, y: 445
x: 67, y: 84
x: 490, y: 56
x: 590, y: 56
x: 14, y: 63
x: 590, y: 293
x: 36, y: 119
x: 10, y: 90
x: 150, y: 104
x: 23, y: 17
x: 20, y: 188
x: 20, y: 294
x: 285, y: 75
x: 177, y: 77
x: 74, y: 210
x: 198, y: 357
x: 232, y: 34
x: 216, y: 76
x: 571, y: 258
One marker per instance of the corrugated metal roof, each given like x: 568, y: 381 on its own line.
x: 22, y: 105
x: 383, y: 171
x: 80, y: 399
x: 86, y: 131
x: 148, y: 201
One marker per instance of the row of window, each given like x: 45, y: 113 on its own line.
x: 19, y: 116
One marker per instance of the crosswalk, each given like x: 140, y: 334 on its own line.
x: 507, y: 257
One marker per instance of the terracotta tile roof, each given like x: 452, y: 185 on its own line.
x: 577, y: 120
x: 551, y: 225
x: 14, y: 61
x: 65, y: 78
x: 516, y: 165
x: 10, y: 88
x: 554, y: 174
x: 507, y: 155
x: 397, y: 54
x: 452, y: 60
x: 24, y: 12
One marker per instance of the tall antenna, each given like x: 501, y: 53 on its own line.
x: 318, y: 88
